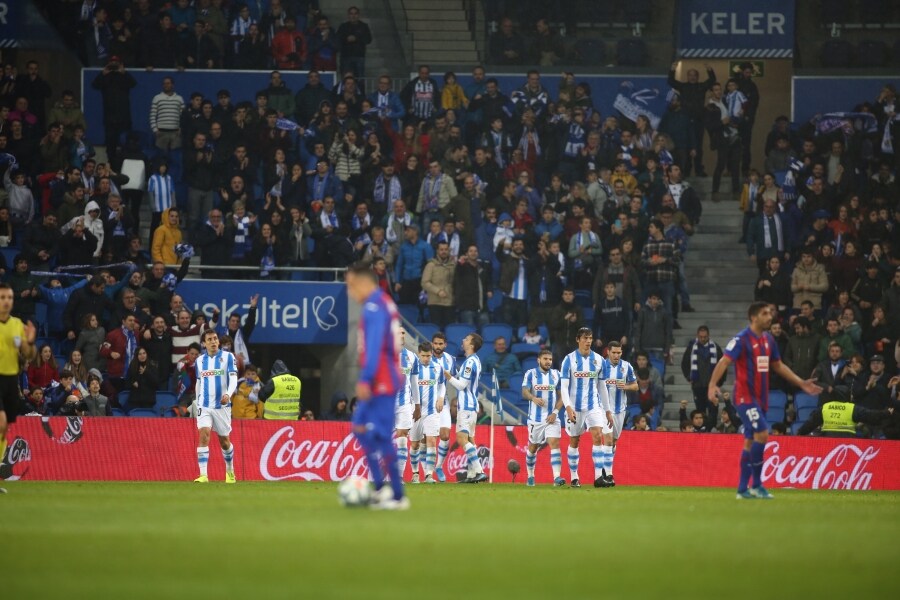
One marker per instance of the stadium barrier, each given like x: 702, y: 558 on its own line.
x: 129, y: 449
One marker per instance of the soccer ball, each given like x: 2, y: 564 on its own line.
x: 354, y: 491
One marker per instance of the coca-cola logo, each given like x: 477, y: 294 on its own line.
x: 17, y: 453
x: 457, y: 461
x: 285, y: 457
x: 845, y: 467
x: 71, y: 434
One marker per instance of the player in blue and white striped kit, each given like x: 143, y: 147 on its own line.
x: 429, y: 391
x: 619, y: 378
x: 586, y: 401
x: 217, y: 379
x: 403, y: 412
x: 447, y: 363
x: 467, y: 405
x: 540, y: 387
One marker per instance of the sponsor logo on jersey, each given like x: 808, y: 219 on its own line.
x: 405, y: 371
x: 468, y: 371
x: 212, y: 373
x: 427, y: 382
x: 584, y: 374
x: 544, y: 388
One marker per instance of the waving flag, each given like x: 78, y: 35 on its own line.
x: 495, y: 394
x: 848, y: 122
x: 633, y: 102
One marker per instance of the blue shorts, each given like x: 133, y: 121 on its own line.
x: 377, y: 415
x: 753, y: 418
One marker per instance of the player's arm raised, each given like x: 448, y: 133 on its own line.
x: 713, y: 391
x: 807, y: 385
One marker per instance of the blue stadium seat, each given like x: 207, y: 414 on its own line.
x: 511, y: 397
x: 163, y: 401
x: 529, y: 363
x: 660, y: 366
x: 631, y: 411
x: 836, y: 54
x: 590, y: 52
x: 410, y: 312
x: 123, y: 398
x: 872, y: 54
x: 495, y: 301
x: 777, y: 399
x: 9, y: 254
x: 583, y: 298
x: 456, y: 332
x: 795, y: 428
x: 588, y: 312
x: 542, y: 331
x: 805, y: 404
x: 631, y: 52
x: 40, y: 342
x: 118, y: 412
x: 775, y: 414
x: 515, y: 382
x: 427, y: 330
x: 493, y: 331
x: 142, y: 412
x: 525, y: 350
x: 40, y: 318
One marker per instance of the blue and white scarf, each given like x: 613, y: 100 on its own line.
x: 386, y: 194
x: 575, y: 140
x: 432, y: 187
x: 713, y: 358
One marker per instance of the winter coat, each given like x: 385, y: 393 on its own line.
x: 92, y: 225
x: 165, y: 238
x: 815, y: 278
x: 436, y: 277
x: 653, y: 329
x: 88, y: 343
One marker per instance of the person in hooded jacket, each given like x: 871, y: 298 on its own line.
x: 93, y: 224
x: 166, y: 237
x: 340, y: 408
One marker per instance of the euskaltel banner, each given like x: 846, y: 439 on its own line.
x: 143, y: 449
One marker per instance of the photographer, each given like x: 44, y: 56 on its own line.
x: 73, y: 407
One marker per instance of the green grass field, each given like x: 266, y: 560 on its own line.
x: 293, y: 540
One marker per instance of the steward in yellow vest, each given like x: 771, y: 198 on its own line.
x: 839, y: 419
x: 281, y: 395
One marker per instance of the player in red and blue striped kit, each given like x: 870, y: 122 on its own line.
x: 754, y: 354
x: 379, y: 381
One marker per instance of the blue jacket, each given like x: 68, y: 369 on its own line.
x: 411, y: 260
x: 56, y: 300
x: 553, y: 228
x: 677, y: 236
x: 395, y: 109
x: 332, y: 186
x: 505, y: 368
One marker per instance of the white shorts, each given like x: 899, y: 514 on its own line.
x: 585, y: 420
x: 618, y: 423
x: 538, y: 433
x: 431, y: 425
x: 217, y: 419
x: 403, y: 417
x: 446, y: 422
x: 465, y: 421
x: 417, y: 431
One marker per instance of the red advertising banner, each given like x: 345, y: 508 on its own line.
x: 135, y: 449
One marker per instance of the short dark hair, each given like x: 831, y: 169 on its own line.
x: 613, y: 344
x: 696, y: 412
x: 756, y: 308
x: 360, y: 269
x: 195, y: 346
x: 425, y: 347
x: 583, y: 332
x: 643, y: 373
x: 208, y: 333
x: 477, y: 341
x: 544, y: 352
x: 703, y: 328
x: 439, y: 335
x: 66, y: 373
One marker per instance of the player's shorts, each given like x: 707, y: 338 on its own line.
x: 465, y: 421
x: 417, y: 431
x: 217, y: 419
x: 431, y: 425
x: 587, y: 419
x: 403, y: 417
x: 753, y: 418
x: 10, y: 401
x: 618, y: 423
x: 446, y: 422
x: 540, y: 432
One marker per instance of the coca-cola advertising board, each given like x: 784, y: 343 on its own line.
x: 134, y: 449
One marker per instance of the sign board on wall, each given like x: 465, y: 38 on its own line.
x: 288, y: 312
x: 736, y: 28
x: 818, y: 95
x: 10, y: 23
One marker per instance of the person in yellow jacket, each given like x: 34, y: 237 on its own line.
x: 245, y: 403
x: 839, y: 419
x: 166, y: 237
x: 281, y: 394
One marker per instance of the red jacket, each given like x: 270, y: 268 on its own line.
x: 42, y: 376
x: 286, y: 43
x: 116, y: 341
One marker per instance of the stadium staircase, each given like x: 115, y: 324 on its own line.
x: 441, y: 33
x: 720, y: 279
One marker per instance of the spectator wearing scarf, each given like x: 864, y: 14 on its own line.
x: 700, y: 359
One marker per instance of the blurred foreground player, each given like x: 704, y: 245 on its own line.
x: 16, y: 339
x: 379, y: 381
x: 754, y: 353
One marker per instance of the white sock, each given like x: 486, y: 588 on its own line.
x: 598, y: 454
x: 530, y: 461
x: 556, y: 461
x: 443, y: 447
x: 228, y: 455
x: 429, y: 461
x: 203, y: 459
x: 573, y: 462
x: 610, y: 455
x: 414, y: 460
x: 401, y: 455
x: 474, y: 463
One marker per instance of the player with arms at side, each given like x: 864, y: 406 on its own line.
x: 217, y: 379
x: 447, y: 364
x: 467, y: 405
x: 403, y: 412
x: 587, y: 403
x: 619, y: 378
x: 16, y: 340
x: 379, y: 382
x: 540, y: 389
x: 429, y: 391
x: 754, y: 354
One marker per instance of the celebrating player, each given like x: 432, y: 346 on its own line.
x: 16, y: 340
x: 379, y: 382
x: 429, y: 389
x: 587, y: 403
x: 447, y: 364
x: 403, y: 412
x: 619, y: 377
x: 467, y: 405
x: 754, y: 353
x: 217, y: 379
x: 540, y: 388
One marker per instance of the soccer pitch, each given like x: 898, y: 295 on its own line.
x: 293, y: 540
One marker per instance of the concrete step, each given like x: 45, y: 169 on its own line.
x: 463, y: 42
x: 430, y: 5
x: 447, y: 36
x: 440, y: 13
x: 419, y: 27
x: 447, y: 56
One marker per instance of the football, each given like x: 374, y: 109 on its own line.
x: 354, y: 491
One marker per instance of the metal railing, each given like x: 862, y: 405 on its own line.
x: 396, y: 10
